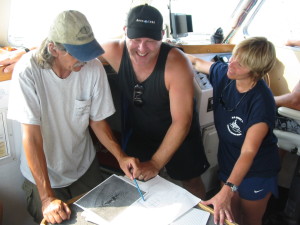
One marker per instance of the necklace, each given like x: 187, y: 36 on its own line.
x: 223, y: 103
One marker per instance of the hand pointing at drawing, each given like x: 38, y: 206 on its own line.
x: 130, y: 166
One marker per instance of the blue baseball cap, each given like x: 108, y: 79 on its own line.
x: 73, y: 31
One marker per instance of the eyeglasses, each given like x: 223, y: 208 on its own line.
x: 223, y: 103
x: 138, y: 91
x: 79, y: 63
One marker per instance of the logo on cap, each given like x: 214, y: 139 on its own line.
x: 84, y: 33
x: 145, y: 21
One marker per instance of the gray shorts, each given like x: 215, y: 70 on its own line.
x: 84, y: 184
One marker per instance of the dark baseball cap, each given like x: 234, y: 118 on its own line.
x: 144, y: 21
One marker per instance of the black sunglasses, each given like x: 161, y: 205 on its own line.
x: 223, y: 103
x: 138, y: 91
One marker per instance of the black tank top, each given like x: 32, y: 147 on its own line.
x: 151, y: 120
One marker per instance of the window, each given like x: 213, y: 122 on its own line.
x: 207, y: 17
x: 277, y: 20
x: 30, y: 20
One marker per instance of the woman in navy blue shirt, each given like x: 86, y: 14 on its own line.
x: 244, y: 115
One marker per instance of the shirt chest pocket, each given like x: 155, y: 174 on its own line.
x: 82, y: 109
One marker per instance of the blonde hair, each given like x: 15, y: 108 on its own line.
x: 257, y: 54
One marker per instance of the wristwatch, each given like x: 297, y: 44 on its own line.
x: 233, y: 187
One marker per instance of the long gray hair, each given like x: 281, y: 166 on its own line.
x: 43, y: 55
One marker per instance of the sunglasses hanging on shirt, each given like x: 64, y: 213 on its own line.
x: 138, y: 91
x: 223, y: 103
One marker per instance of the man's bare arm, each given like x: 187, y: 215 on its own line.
x: 179, y: 82
x: 102, y: 130
x: 9, y: 60
x: 54, y: 210
x: 290, y: 100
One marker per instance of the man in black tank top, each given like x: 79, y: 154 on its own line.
x: 159, y: 122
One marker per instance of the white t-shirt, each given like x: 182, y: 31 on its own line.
x: 62, y: 108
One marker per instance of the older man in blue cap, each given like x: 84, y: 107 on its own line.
x: 57, y: 92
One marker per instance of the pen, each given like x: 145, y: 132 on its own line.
x: 138, y: 188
